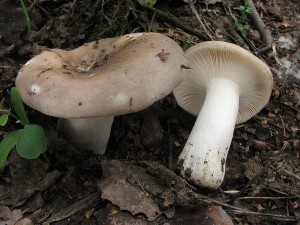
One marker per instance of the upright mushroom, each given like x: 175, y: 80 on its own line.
x: 91, y: 84
x: 226, y: 85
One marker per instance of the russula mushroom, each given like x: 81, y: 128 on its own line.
x: 91, y: 84
x: 225, y: 85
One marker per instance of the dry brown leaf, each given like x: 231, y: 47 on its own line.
x: 14, y: 217
x: 131, y: 188
x: 259, y: 207
x: 146, y: 187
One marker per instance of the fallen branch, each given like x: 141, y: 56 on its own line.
x: 176, y: 23
x: 264, y: 31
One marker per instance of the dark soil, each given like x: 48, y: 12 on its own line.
x: 262, y: 181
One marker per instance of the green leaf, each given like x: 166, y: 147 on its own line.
x: 239, y: 26
x: 18, y: 106
x: 6, y: 145
x: 248, y: 10
x: 5, y: 110
x: 3, y: 119
x: 245, y: 30
x: 240, y: 8
x: 149, y: 3
x: 32, y: 142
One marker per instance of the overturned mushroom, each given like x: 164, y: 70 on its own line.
x: 89, y: 85
x: 226, y: 85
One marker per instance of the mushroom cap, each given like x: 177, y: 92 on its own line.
x: 218, y: 59
x: 112, y: 76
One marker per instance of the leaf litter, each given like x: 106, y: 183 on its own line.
x: 263, y: 163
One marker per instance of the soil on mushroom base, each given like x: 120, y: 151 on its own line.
x: 263, y: 152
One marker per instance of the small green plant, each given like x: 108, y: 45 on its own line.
x: 26, y: 15
x: 30, y: 141
x: 241, y: 23
x: 149, y: 3
x: 243, y: 28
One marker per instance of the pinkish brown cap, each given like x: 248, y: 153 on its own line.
x: 108, y: 77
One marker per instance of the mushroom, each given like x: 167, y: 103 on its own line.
x: 89, y: 85
x: 225, y: 85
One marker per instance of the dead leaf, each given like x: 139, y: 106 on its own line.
x: 217, y: 215
x: 285, y: 24
x: 14, y: 217
x: 132, y: 189
x: 213, y: 215
x: 259, y: 207
x: 26, y: 175
x: 146, y: 187
x: 294, y: 129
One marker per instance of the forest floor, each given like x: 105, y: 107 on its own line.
x: 262, y: 180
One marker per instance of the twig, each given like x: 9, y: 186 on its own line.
x: 35, y: 2
x: 151, y: 22
x: 192, y: 7
x: 276, y: 191
x: 66, y: 212
x: 176, y: 22
x: 225, y: 23
x: 264, y: 31
x: 238, y: 210
x: 269, y: 215
x: 291, y: 174
x: 283, y: 127
x: 207, y: 25
x: 291, y: 107
x: 267, y: 198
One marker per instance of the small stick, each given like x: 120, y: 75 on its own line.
x: 291, y: 174
x: 271, y: 216
x: 266, y: 198
x: 284, y: 134
x: 193, y: 8
x: 176, y: 22
x: 238, y: 210
x: 77, y: 206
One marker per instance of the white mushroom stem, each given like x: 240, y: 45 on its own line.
x: 90, y: 133
x: 204, y: 156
